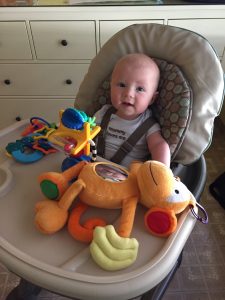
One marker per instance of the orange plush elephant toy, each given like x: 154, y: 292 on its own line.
x: 110, y: 186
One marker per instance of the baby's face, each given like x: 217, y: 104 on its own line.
x: 132, y: 89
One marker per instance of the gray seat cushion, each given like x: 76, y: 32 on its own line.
x: 194, y: 57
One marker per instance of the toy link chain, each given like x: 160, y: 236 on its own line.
x: 203, y: 219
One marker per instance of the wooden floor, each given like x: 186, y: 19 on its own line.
x: 201, y: 275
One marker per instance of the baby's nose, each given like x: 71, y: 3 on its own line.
x: 129, y: 92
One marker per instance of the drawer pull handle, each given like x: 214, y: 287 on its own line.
x: 18, y: 118
x: 7, y: 81
x: 64, y: 42
x: 68, y: 81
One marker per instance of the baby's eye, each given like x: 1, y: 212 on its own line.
x: 121, y: 84
x: 140, y: 89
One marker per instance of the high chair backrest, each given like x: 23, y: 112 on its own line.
x: 190, y: 90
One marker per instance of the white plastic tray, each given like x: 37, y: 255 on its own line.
x: 58, y: 262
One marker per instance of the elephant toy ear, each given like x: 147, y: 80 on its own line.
x: 160, y: 221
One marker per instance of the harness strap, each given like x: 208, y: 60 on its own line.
x: 128, y: 145
x: 101, y: 135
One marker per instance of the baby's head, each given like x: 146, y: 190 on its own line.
x: 134, y: 85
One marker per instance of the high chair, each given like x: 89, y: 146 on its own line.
x: 190, y: 97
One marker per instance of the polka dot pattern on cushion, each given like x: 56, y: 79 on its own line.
x: 173, y: 106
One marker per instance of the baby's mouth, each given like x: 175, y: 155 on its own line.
x: 127, y: 104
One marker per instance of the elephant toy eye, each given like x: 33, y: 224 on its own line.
x: 180, y: 193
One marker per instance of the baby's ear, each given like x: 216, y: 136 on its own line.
x: 155, y: 96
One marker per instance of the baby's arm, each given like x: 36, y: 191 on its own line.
x: 159, y: 148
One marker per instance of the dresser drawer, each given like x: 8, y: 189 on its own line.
x: 64, y: 39
x: 14, y: 41
x: 109, y: 28
x: 41, y: 79
x: 212, y: 29
x: 25, y: 109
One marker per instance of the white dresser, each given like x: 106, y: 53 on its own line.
x: 45, y: 51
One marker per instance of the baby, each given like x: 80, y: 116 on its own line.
x: 134, y: 85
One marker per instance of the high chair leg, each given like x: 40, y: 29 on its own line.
x: 24, y: 291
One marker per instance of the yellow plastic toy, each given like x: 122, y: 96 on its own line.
x: 75, y: 129
x: 81, y: 136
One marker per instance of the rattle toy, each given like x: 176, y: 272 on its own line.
x: 77, y: 128
x: 74, y: 137
x: 107, y: 185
